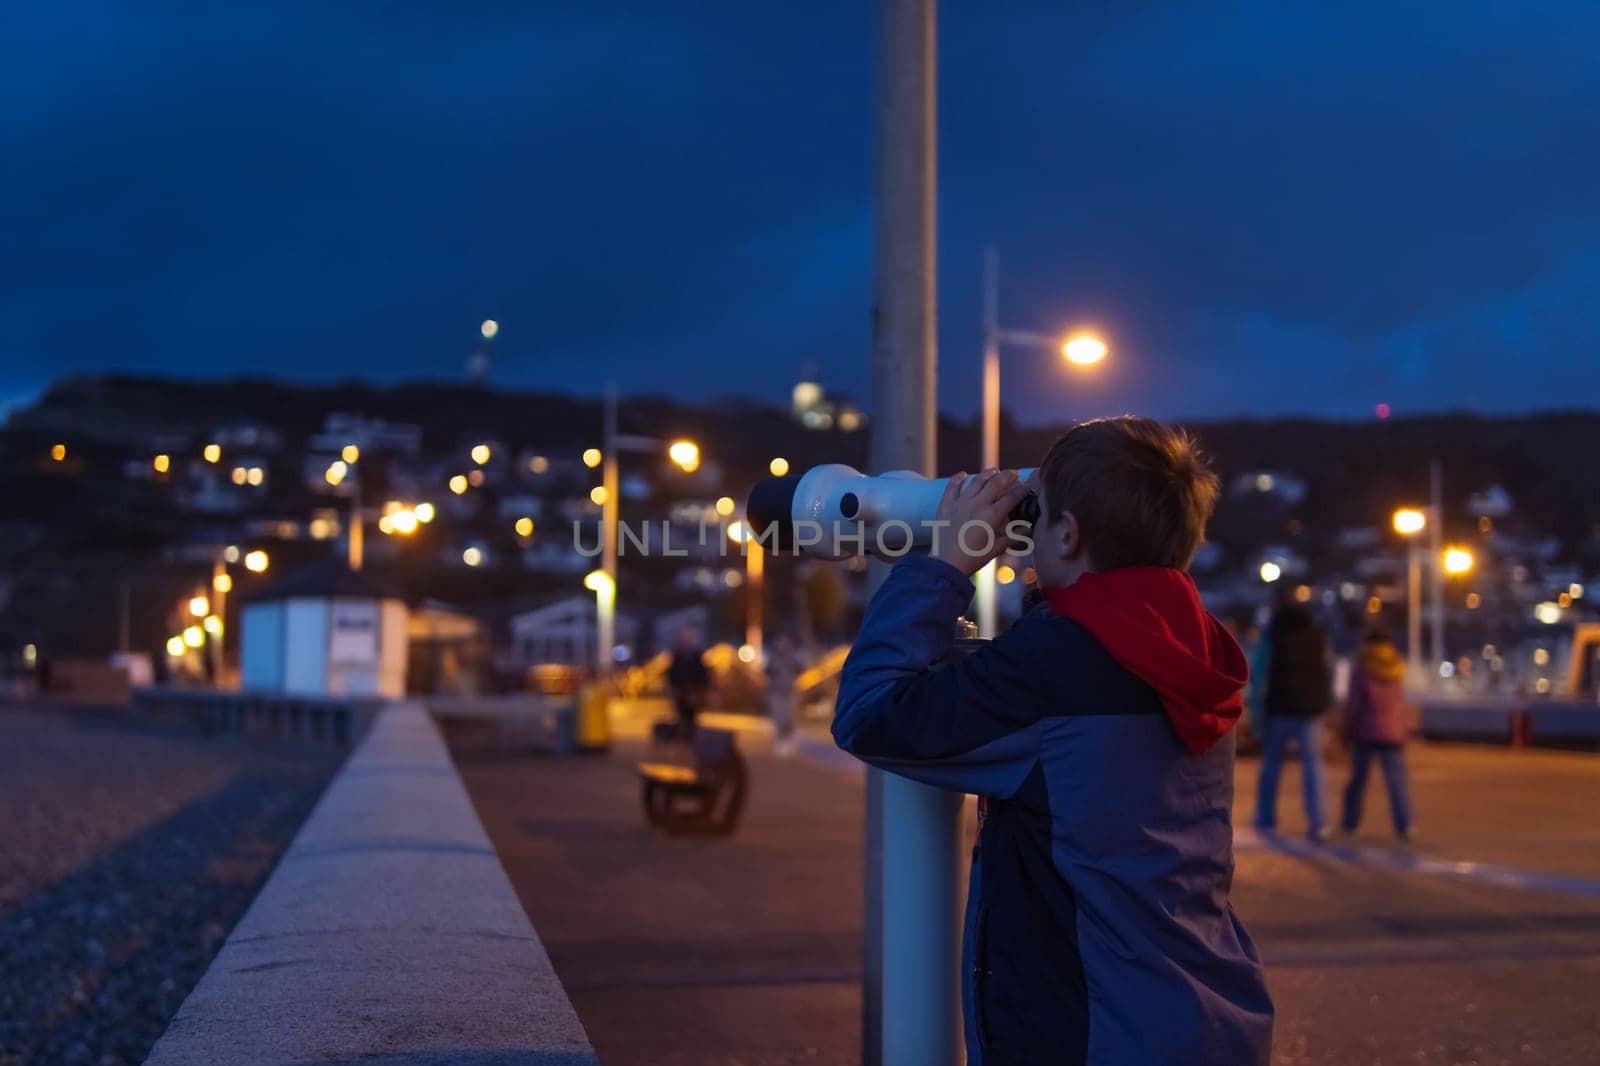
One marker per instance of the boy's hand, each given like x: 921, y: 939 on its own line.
x: 969, y: 503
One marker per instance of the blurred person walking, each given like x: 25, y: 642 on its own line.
x: 688, y: 679
x: 783, y: 669
x: 1375, y: 727
x: 1294, y: 684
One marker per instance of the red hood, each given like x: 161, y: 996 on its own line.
x: 1150, y: 619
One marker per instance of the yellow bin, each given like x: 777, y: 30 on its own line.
x: 593, y: 732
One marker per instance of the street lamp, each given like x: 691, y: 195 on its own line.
x: 1079, y: 349
x: 1457, y: 561
x: 684, y: 453
x: 1408, y: 522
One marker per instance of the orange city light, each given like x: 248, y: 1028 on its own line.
x: 1409, y: 520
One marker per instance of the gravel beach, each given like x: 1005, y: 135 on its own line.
x: 128, y: 850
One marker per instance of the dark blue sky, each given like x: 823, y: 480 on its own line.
x: 1269, y: 207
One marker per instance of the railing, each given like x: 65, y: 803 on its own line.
x: 388, y: 933
x: 332, y: 719
x: 1519, y: 721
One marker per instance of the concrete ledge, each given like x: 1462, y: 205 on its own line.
x: 388, y: 934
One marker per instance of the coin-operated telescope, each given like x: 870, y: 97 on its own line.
x: 836, y: 512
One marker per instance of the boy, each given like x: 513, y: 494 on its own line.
x: 1098, y: 732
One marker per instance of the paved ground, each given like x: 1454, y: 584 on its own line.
x: 747, y: 950
x: 127, y: 852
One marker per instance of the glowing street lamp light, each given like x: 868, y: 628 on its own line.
x: 336, y: 472
x: 1457, y: 561
x: 176, y: 647
x: 199, y: 606
x: 1409, y: 521
x: 725, y: 506
x: 404, y: 522
x: 591, y: 457
x: 1270, y: 571
x: 524, y: 526
x: 686, y: 453
x: 222, y: 583
x: 212, y: 453
x: 778, y: 466
x: 480, y: 454
x: 459, y: 484
x: 1084, y: 349
x: 424, y: 511
x: 162, y: 463
x: 256, y: 561
x: 194, y: 636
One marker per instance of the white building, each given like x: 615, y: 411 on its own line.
x: 564, y: 633
x: 324, y: 630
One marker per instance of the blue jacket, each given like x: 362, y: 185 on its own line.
x: 1098, y: 924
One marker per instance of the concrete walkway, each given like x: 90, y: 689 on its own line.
x: 747, y: 950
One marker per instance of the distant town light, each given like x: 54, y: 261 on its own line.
x: 475, y: 478
x: 30, y: 655
x: 212, y: 625
x: 194, y: 636
x: 1382, y: 411
x: 591, y: 457
x: 240, y: 475
x: 1302, y: 594
x: 489, y: 328
x: 1564, y: 600
x: 322, y: 529
x: 725, y: 506
x: 1542, y: 685
x: 1575, y: 590
x: 538, y: 464
x: 162, y: 463
x: 473, y: 556
x: 597, y: 581
x: 176, y: 647
x: 1005, y: 575
x: 386, y: 524
x: 732, y: 578
x: 404, y: 522
x: 256, y: 561
x: 1474, y: 601
x: 524, y: 526
x: 1541, y: 656
x: 1409, y: 520
x: 255, y: 475
x: 1548, y: 612
x: 747, y: 653
x: 58, y: 452
x: 779, y: 466
x: 686, y: 453
x: 1457, y: 560
x: 1374, y: 604
x: 738, y: 532
x: 1265, y: 482
x: 212, y: 453
x: 350, y: 453
x: 199, y: 606
x: 1085, y: 349
x: 480, y: 453
x: 597, y: 495
x: 222, y: 583
x: 335, y: 474
x: 230, y: 554
x: 424, y: 511
x: 458, y: 484
x: 1270, y: 571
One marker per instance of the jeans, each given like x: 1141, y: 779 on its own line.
x: 1307, y: 735
x: 1393, y: 760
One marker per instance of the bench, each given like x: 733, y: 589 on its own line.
x: 706, y: 797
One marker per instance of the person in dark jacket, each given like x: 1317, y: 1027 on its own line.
x: 688, y: 679
x: 1098, y: 733
x: 1375, y: 727
x: 1296, y: 693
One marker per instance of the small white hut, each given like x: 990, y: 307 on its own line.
x: 324, y: 630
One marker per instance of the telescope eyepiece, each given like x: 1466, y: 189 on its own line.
x: 1027, y: 509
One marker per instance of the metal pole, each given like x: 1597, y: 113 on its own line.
x: 1414, y: 613
x: 913, y: 834
x: 755, y: 557
x: 1436, y: 566
x: 608, y: 520
x: 356, y: 531
x: 987, y: 589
